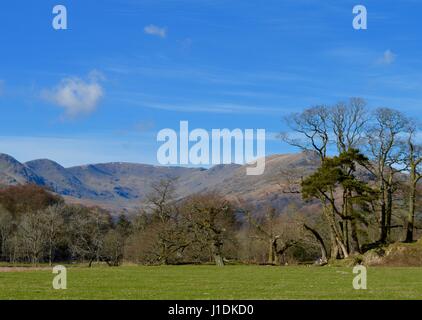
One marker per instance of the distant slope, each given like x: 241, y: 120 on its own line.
x: 120, y: 185
x: 59, y: 179
x: 12, y: 172
x: 124, y: 183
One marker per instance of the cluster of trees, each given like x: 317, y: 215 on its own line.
x: 198, y: 229
x: 370, y: 166
x: 36, y: 226
x: 364, y: 193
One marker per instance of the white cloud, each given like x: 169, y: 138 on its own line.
x: 387, y: 58
x: 156, y: 31
x: 75, y: 95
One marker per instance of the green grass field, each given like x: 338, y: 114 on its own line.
x: 210, y: 282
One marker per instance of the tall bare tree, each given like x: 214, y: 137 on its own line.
x: 210, y: 218
x: 311, y: 132
x: 348, y: 123
x: 414, y: 166
x: 87, y: 230
x: 32, y: 236
x: 7, y: 226
x: 383, y: 137
x: 53, y: 227
x: 166, y: 226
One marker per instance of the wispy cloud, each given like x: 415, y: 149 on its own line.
x: 387, y: 58
x: 75, y: 95
x: 156, y: 31
x: 218, y: 108
x: 205, y: 74
x: 362, y: 56
x: 1, y: 87
x: 349, y: 54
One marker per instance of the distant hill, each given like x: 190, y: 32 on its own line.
x: 121, y: 185
x: 13, y: 172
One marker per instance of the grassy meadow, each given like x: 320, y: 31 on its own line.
x: 210, y: 282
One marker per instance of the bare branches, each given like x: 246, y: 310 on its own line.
x: 310, y: 130
x: 348, y: 123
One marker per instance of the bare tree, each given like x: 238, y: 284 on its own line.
x: 87, y: 230
x: 271, y: 231
x: 113, y: 248
x: 210, y: 218
x: 7, y: 226
x: 348, y: 123
x: 32, y: 236
x: 161, y: 199
x: 311, y: 132
x: 414, y: 165
x: 383, y: 137
x: 53, y: 227
x: 165, y: 225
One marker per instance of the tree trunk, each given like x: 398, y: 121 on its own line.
x: 320, y: 242
x: 276, y: 259
x: 334, y: 251
x: 389, y: 208
x: 338, y: 239
x: 347, y: 212
x: 271, y: 252
x: 355, y: 238
x: 50, y: 254
x: 383, y: 207
x: 346, y: 234
x: 411, y: 212
x: 218, y: 260
x: 216, y: 250
x: 343, y: 251
x: 383, y: 235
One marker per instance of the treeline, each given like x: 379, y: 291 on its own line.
x: 367, y: 182
x: 36, y: 226
x: 364, y: 194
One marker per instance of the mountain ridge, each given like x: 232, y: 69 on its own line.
x: 124, y: 185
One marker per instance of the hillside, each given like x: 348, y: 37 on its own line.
x: 13, y: 172
x: 121, y: 185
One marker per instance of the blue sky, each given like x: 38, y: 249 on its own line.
x: 141, y: 66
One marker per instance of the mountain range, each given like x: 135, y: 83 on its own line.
x: 124, y: 186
